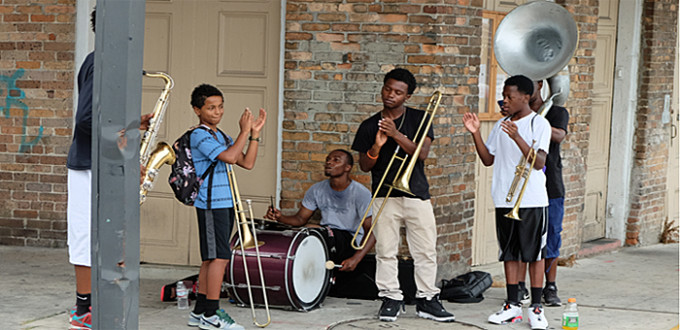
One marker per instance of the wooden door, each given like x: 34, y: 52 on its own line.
x: 484, y: 242
x: 233, y: 45
x: 600, y: 125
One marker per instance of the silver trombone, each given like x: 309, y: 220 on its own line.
x: 401, y: 180
x: 247, y: 239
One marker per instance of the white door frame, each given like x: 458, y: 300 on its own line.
x: 625, y: 104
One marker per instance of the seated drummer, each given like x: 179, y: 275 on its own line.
x: 342, y: 202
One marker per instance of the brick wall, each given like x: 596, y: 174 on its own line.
x: 336, y: 55
x: 575, y: 146
x: 652, y: 136
x: 36, y: 83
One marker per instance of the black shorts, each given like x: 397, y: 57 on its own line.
x: 214, y: 230
x: 523, y: 240
x: 338, y: 243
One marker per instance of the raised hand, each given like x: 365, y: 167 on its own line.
x: 387, y: 126
x: 510, y: 128
x: 246, y: 121
x: 471, y: 122
x: 380, y: 138
x: 259, y: 122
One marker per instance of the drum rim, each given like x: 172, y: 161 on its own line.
x: 287, y: 270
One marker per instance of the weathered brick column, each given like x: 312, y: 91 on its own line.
x: 652, y: 135
x: 36, y: 84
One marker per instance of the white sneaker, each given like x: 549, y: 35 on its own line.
x: 221, y: 320
x: 194, y: 319
x: 537, y: 318
x: 510, y: 313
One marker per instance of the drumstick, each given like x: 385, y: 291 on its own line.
x: 330, y: 265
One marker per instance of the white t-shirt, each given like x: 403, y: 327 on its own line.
x: 507, y: 155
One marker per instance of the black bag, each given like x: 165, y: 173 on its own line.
x: 183, y: 179
x: 466, y: 288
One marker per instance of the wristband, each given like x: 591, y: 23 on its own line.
x: 250, y: 138
x: 368, y: 153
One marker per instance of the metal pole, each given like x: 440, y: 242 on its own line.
x: 116, y: 110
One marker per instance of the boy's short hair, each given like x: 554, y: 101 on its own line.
x: 350, y: 158
x: 203, y: 92
x: 523, y: 84
x: 402, y: 75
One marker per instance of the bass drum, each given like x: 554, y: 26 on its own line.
x: 293, y: 262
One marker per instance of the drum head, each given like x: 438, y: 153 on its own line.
x: 309, y: 271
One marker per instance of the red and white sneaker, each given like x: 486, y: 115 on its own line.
x: 510, y: 313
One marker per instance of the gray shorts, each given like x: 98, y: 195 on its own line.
x: 214, y: 231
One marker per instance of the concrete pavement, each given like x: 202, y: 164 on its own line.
x: 630, y: 288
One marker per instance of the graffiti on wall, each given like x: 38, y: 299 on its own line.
x: 13, y: 97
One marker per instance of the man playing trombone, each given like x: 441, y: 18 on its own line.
x: 377, y: 139
x: 342, y: 202
x: 510, y: 149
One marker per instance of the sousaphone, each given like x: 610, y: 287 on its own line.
x: 537, y: 40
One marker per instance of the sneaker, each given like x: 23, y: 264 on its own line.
x: 194, y: 319
x: 221, y: 320
x: 524, y: 297
x: 550, y: 296
x: 432, y: 309
x: 71, y: 313
x: 510, y: 313
x: 390, y: 309
x: 537, y: 319
x: 79, y: 322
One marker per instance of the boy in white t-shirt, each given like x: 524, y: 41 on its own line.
x: 510, y: 140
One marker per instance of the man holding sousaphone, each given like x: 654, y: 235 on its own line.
x: 379, y: 139
x: 518, y: 145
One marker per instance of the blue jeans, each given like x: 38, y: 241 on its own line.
x: 555, y: 215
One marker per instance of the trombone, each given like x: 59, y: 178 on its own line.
x: 401, y: 180
x: 247, y: 239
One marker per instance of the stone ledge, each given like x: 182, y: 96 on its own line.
x: 598, y: 246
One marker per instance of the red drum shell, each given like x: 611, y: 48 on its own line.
x: 293, y: 262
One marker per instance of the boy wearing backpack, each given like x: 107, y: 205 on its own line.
x: 214, y: 206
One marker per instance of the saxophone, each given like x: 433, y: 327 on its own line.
x: 162, y: 153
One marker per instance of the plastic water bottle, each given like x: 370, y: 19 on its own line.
x: 182, y: 296
x: 570, y: 315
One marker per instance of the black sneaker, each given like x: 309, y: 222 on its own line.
x: 390, y: 309
x: 432, y: 309
x: 550, y: 296
x: 524, y: 297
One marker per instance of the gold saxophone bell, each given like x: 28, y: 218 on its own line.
x: 162, y: 154
x: 401, y: 180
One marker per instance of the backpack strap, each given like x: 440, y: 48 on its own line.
x: 211, y: 168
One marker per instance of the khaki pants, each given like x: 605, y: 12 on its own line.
x: 421, y: 235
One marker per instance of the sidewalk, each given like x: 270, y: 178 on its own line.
x: 632, y: 288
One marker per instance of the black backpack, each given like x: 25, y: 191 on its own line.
x: 183, y: 179
x: 466, y: 288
